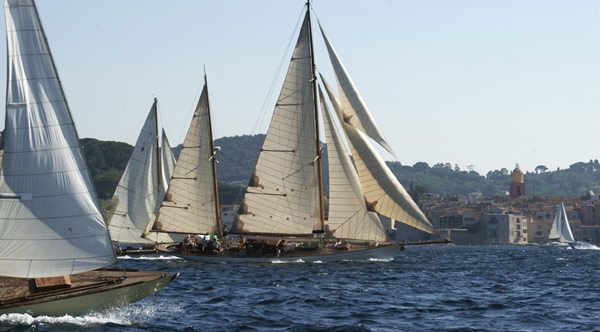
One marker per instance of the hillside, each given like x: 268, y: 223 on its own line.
x: 238, y: 155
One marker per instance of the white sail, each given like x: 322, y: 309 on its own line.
x: 283, y: 194
x: 189, y: 204
x: 50, y: 220
x: 348, y: 214
x: 560, y: 230
x: 383, y: 193
x: 167, y: 163
x: 135, y: 199
x: 354, y: 107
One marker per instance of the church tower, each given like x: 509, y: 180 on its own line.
x: 517, y: 184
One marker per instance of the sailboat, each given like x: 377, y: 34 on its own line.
x: 282, y: 216
x: 140, y: 191
x: 54, y: 244
x: 560, y: 232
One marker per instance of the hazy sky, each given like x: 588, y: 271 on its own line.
x: 482, y: 83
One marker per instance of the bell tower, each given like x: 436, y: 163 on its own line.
x: 517, y: 183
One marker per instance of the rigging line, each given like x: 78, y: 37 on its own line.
x: 190, y: 113
x: 263, y: 112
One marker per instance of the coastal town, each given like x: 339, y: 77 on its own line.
x: 513, y: 219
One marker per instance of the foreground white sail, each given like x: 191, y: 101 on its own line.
x: 53, y: 236
x: 50, y: 220
x: 561, y: 231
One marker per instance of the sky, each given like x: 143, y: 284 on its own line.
x: 486, y: 84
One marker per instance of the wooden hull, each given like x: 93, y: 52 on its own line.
x: 384, y: 252
x: 90, y: 292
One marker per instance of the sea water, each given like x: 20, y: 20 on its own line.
x: 425, y: 288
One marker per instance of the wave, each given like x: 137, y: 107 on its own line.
x: 585, y: 246
x: 276, y: 261
x: 134, y: 314
x: 149, y: 258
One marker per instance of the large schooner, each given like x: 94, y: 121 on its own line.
x: 140, y: 191
x: 282, y: 216
x: 54, y: 240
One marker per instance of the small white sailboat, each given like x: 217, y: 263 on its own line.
x: 140, y: 191
x: 560, y: 232
x: 282, y: 216
x: 54, y: 241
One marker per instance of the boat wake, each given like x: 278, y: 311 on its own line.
x: 585, y: 246
x: 276, y: 261
x: 137, y: 314
x: 149, y: 258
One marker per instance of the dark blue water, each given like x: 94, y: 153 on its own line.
x: 427, y: 288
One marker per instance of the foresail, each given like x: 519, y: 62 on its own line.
x: 566, y: 234
x: 348, y: 215
x: 50, y: 220
x: 189, y: 204
x: 354, y: 107
x: 167, y: 162
x: 283, y: 194
x: 135, y: 199
x: 383, y: 193
x: 167, y: 166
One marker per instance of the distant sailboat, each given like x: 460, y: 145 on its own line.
x: 141, y: 189
x: 560, y: 232
x: 282, y: 216
x: 54, y: 240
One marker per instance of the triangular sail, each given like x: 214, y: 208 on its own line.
x: 355, y: 109
x: 348, y: 215
x: 189, y: 204
x: 50, y: 220
x: 166, y: 169
x: 560, y: 230
x: 383, y: 193
x: 135, y: 199
x: 167, y: 163
x: 283, y: 194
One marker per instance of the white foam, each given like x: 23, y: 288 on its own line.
x: 585, y: 246
x: 126, y: 316
x: 149, y: 258
x: 84, y: 321
x: 276, y: 261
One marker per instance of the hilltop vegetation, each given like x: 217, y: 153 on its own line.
x: 238, y: 155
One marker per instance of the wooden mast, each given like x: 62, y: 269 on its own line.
x: 214, y: 162
x: 318, y: 141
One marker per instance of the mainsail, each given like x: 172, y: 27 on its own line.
x: 283, y: 194
x: 383, y: 193
x: 135, y: 199
x: 355, y: 109
x: 560, y: 230
x: 348, y: 214
x: 189, y: 204
x: 50, y: 220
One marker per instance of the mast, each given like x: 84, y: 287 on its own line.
x: 214, y: 163
x: 158, y: 172
x: 318, y: 141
